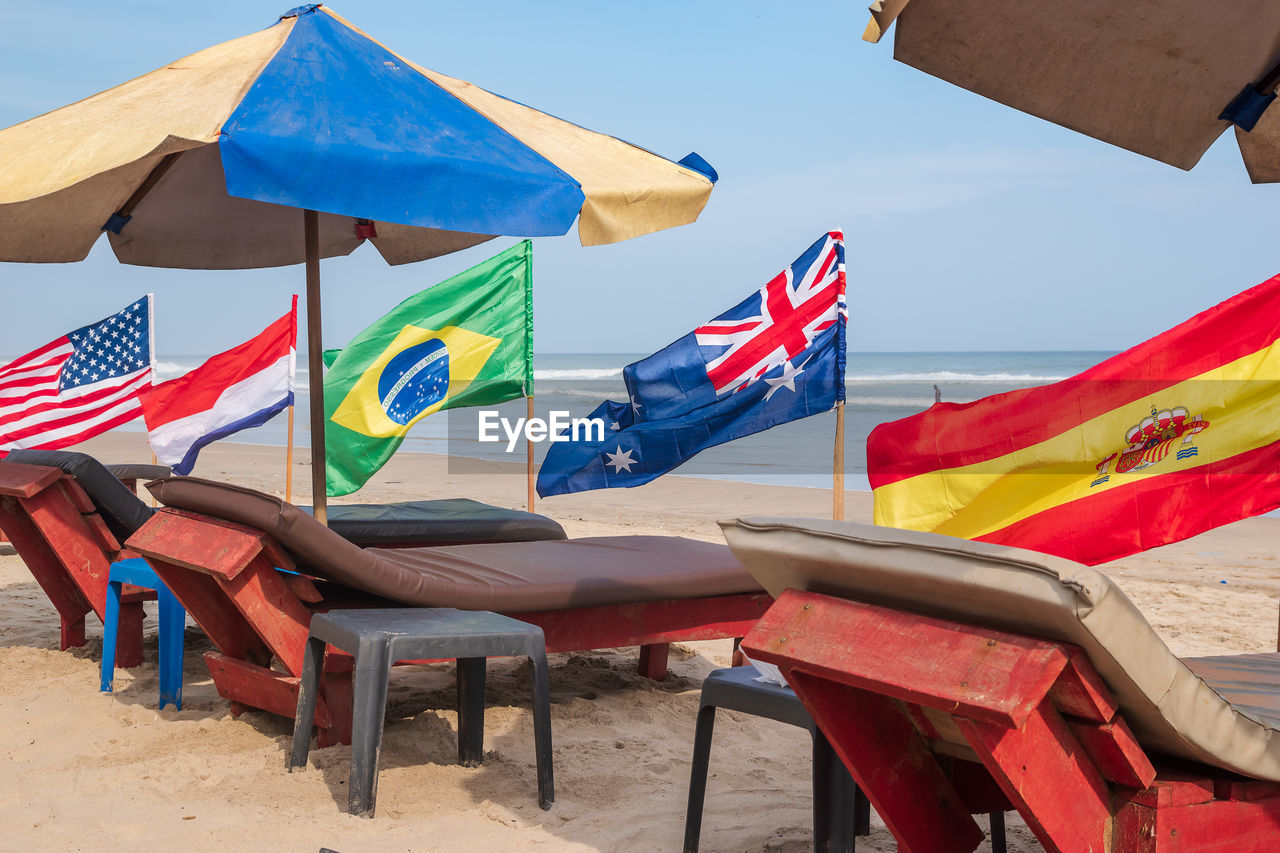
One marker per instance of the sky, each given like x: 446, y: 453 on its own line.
x: 969, y: 226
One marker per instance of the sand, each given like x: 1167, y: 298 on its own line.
x: 91, y: 771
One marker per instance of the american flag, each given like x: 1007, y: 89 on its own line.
x: 82, y: 384
x: 778, y: 322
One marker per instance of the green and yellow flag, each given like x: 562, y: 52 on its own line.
x: 468, y: 341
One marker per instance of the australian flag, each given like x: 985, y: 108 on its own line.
x: 775, y: 357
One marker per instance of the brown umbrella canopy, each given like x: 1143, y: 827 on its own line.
x: 1152, y: 76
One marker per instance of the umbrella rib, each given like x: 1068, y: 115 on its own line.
x: 1269, y: 82
x: 122, y: 216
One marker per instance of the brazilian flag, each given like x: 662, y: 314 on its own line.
x: 468, y: 341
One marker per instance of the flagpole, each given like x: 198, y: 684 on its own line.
x: 837, y: 468
x: 288, y: 463
x: 315, y: 364
x: 528, y: 445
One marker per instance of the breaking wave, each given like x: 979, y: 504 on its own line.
x: 951, y: 376
x: 579, y: 373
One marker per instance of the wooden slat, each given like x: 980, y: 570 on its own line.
x: 614, y: 626
x: 71, y: 633
x: 207, y: 603
x: 1245, y: 790
x: 1047, y: 776
x: 336, y: 692
x: 924, y: 722
x: 1081, y: 692
x: 302, y: 587
x: 966, y: 671
x: 1176, y: 789
x: 44, y: 565
x: 889, y: 761
x: 1218, y: 826
x: 653, y: 660
x: 964, y: 752
x: 278, y: 556
x: 69, y: 538
x: 945, y: 725
x: 980, y: 792
x: 129, y: 635
x: 1134, y: 829
x: 131, y: 593
x: 1115, y: 752
x: 102, y: 534
x: 78, y: 496
x: 194, y: 544
x: 259, y: 687
x: 23, y: 481
x: 267, y: 603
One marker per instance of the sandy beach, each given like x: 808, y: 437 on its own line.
x: 91, y: 771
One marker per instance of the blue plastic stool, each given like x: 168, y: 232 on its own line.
x: 173, y: 620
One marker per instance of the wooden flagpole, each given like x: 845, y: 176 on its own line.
x: 288, y: 463
x: 837, y: 468
x: 528, y: 445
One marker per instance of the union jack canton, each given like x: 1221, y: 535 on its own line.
x: 779, y: 321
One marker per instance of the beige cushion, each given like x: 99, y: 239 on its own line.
x: 1171, y: 709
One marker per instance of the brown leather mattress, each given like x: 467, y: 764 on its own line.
x: 507, y: 577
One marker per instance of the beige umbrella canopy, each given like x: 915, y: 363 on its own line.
x: 304, y: 140
x: 1152, y: 76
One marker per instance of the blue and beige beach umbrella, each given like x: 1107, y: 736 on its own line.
x: 304, y: 140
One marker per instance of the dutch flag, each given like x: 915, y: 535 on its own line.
x: 240, y: 388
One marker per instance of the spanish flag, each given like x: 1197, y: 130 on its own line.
x: 468, y: 341
x: 1173, y: 437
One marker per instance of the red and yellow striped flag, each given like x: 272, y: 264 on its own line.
x: 1173, y: 437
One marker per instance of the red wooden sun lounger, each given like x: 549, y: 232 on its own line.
x: 67, y: 514
x: 954, y: 678
x: 251, y: 569
x: 68, y: 544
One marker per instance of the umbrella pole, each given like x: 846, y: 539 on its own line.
x: 315, y: 365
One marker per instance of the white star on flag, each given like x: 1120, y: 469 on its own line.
x: 786, y: 380
x: 635, y: 407
x: 620, y: 461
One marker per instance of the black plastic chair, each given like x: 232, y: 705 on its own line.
x: 379, y: 638
x: 840, y: 810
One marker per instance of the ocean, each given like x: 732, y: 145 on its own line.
x: 881, y: 387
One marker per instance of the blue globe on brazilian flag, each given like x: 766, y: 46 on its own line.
x: 468, y: 341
